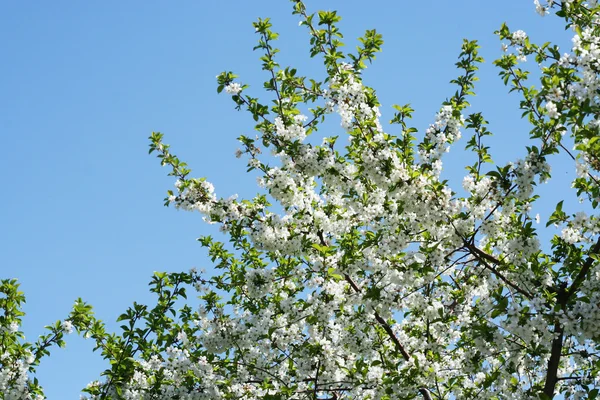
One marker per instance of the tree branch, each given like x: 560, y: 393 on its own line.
x: 388, y: 329
x: 584, y: 270
x: 554, y: 361
x: 564, y: 295
x: 484, y: 257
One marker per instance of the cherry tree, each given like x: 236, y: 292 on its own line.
x: 358, y: 272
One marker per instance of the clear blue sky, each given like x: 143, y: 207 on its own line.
x: 83, y: 84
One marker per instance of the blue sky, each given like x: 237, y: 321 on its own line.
x: 85, y: 83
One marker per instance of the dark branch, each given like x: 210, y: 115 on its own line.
x: 584, y: 270
x: 484, y: 257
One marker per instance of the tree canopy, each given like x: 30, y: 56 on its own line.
x: 358, y: 272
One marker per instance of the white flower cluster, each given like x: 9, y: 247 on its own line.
x: 543, y: 9
x: 527, y: 171
x: 552, y: 110
x: 586, y: 49
x: 575, y: 230
x: 67, y: 326
x: 518, y: 40
x: 14, y: 377
x: 233, y: 88
x: 350, y: 98
x: 293, y: 132
x: 441, y: 134
x: 519, y: 37
x: 585, y: 60
x: 199, y: 196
